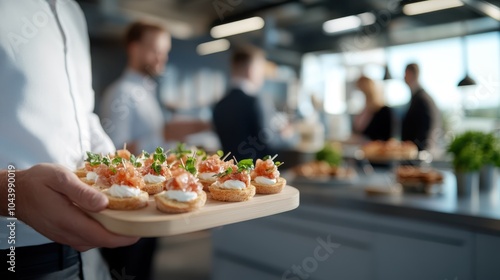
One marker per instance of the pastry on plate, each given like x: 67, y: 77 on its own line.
x: 234, y: 183
x: 266, y: 177
x: 155, y: 171
x: 208, y: 168
x: 125, y: 191
x: 183, y: 193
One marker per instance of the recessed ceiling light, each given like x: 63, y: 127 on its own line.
x: 342, y: 24
x: 213, y: 47
x: 349, y: 22
x: 237, y: 27
x: 430, y: 6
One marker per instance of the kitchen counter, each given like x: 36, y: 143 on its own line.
x: 383, y: 237
x: 479, y: 212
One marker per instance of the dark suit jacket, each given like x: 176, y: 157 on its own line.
x: 238, y: 121
x: 381, y: 126
x: 420, y: 121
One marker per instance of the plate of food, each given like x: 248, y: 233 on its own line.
x: 391, y: 150
x: 326, y: 169
x: 161, y: 194
x: 419, y: 179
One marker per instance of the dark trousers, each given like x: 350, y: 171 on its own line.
x: 47, y: 261
x: 135, y: 260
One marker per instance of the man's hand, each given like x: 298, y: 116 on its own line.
x: 45, y: 195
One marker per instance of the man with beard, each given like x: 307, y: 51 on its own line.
x: 130, y: 110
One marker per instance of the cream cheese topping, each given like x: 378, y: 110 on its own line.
x: 232, y: 184
x: 181, y: 196
x: 153, y: 179
x: 91, y: 176
x: 264, y: 180
x: 208, y: 176
x: 123, y: 191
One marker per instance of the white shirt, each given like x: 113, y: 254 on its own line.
x: 46, y: 96
x: 131, y: 113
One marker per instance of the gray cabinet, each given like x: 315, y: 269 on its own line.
x: 327, y: 243
x: 411, y: 258
x: 289, y: 248
x: 487, y: 257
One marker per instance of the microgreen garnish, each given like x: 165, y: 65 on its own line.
x: 226, y: 172
x: 201, y: 153
x: 181, y: 150
x: 93, y: 159
x: 134, y: 161
x: 190, y: 165
x: 245, y: 164
x: 106, y: 160
x: 220, y: 153
x: 97, y: 159
x: 159, y: 158
x: 117, y: 160
x: 145, y: 154
x: 159, y: 155
x: 156, y: 166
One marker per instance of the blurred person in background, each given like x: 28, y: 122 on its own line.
x: 132, y: 115
x: 243, y: 120
x: 130, y: 109
x: 422, y: 118
x: 47, y: 124
x: 376, y: 121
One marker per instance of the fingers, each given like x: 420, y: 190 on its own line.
x: 83, y: 233
x: 68, y: 184
x: 48, y: 193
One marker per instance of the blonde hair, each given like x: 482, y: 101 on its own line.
x: 374, y: 98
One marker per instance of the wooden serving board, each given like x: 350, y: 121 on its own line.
x: 150, y: 222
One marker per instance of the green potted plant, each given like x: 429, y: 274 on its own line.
x: 491, y: 152
x: 468, y: 158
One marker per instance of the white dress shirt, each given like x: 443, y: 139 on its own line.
x: 130, y: 112
x: 46, y: 96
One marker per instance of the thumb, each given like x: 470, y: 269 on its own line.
x: 78, y: 192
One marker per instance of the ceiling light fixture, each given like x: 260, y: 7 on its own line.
x: 467, y: 80
x: 213, y: 47
x: 237, y: 27
x: 367, y: 18
x: 342, y: 24
x: 349, y: 23
x: 484, y: 8
x: 428, y: 6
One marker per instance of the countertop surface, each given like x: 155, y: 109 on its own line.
x: 480, y: 211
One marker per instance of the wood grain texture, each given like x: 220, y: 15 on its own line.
x: 150, y: 222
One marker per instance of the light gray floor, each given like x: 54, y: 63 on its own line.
x: 184, y: 257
